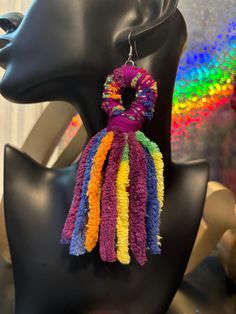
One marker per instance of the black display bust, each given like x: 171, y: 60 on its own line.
x: 63, y: 50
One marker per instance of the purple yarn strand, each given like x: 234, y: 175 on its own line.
x: 70, y: 220
x: 78, y: 236
x: 153, y: 207
x: 109, y: 202
x: 138, y: 199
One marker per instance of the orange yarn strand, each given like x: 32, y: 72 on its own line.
x: 94, y: 192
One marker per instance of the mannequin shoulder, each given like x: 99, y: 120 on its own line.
x: 187, y: 176
x: 20, y: 168
x: 185, y: 191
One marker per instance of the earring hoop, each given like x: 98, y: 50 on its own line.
x: 132, y: 47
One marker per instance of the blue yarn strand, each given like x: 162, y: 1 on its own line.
x: 78, y: 236
x: 153, y: 207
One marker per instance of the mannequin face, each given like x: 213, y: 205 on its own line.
x: 61, y: 44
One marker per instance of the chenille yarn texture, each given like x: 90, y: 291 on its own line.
x: 119, y: 190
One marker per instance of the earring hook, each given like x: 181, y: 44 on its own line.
x: 131, y: 46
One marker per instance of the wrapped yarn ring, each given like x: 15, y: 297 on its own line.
x: 143, y: 105
x: 118, y: 203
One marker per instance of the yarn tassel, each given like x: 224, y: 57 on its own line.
x: 109, y: 201
x: 122, y: 184
x: 138, y: 199
x: 70, y: 220
x: 94, y: 192
x: 119, y: 188
x: 78, y: 236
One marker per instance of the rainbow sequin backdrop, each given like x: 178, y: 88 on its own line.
x: 204, y: 82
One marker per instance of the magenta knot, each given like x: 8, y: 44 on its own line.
x: 124, y: 124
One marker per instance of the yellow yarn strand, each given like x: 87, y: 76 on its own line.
x: 94, y: 191
x: 158, y: 162
x: 122, y: 183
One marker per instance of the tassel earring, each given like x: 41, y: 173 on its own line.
x: 118, y: 196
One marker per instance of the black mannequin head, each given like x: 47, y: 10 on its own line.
x: 62, y: 43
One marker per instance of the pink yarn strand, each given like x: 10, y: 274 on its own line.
x: 70, y: 220
x: 138, y: 199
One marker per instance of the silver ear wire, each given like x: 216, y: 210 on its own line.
x: 130, y: 55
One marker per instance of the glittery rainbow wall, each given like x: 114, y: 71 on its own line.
x: 203, y: 82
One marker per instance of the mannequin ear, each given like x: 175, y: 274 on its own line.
x: 151, y: 13
x: 156, y: 11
